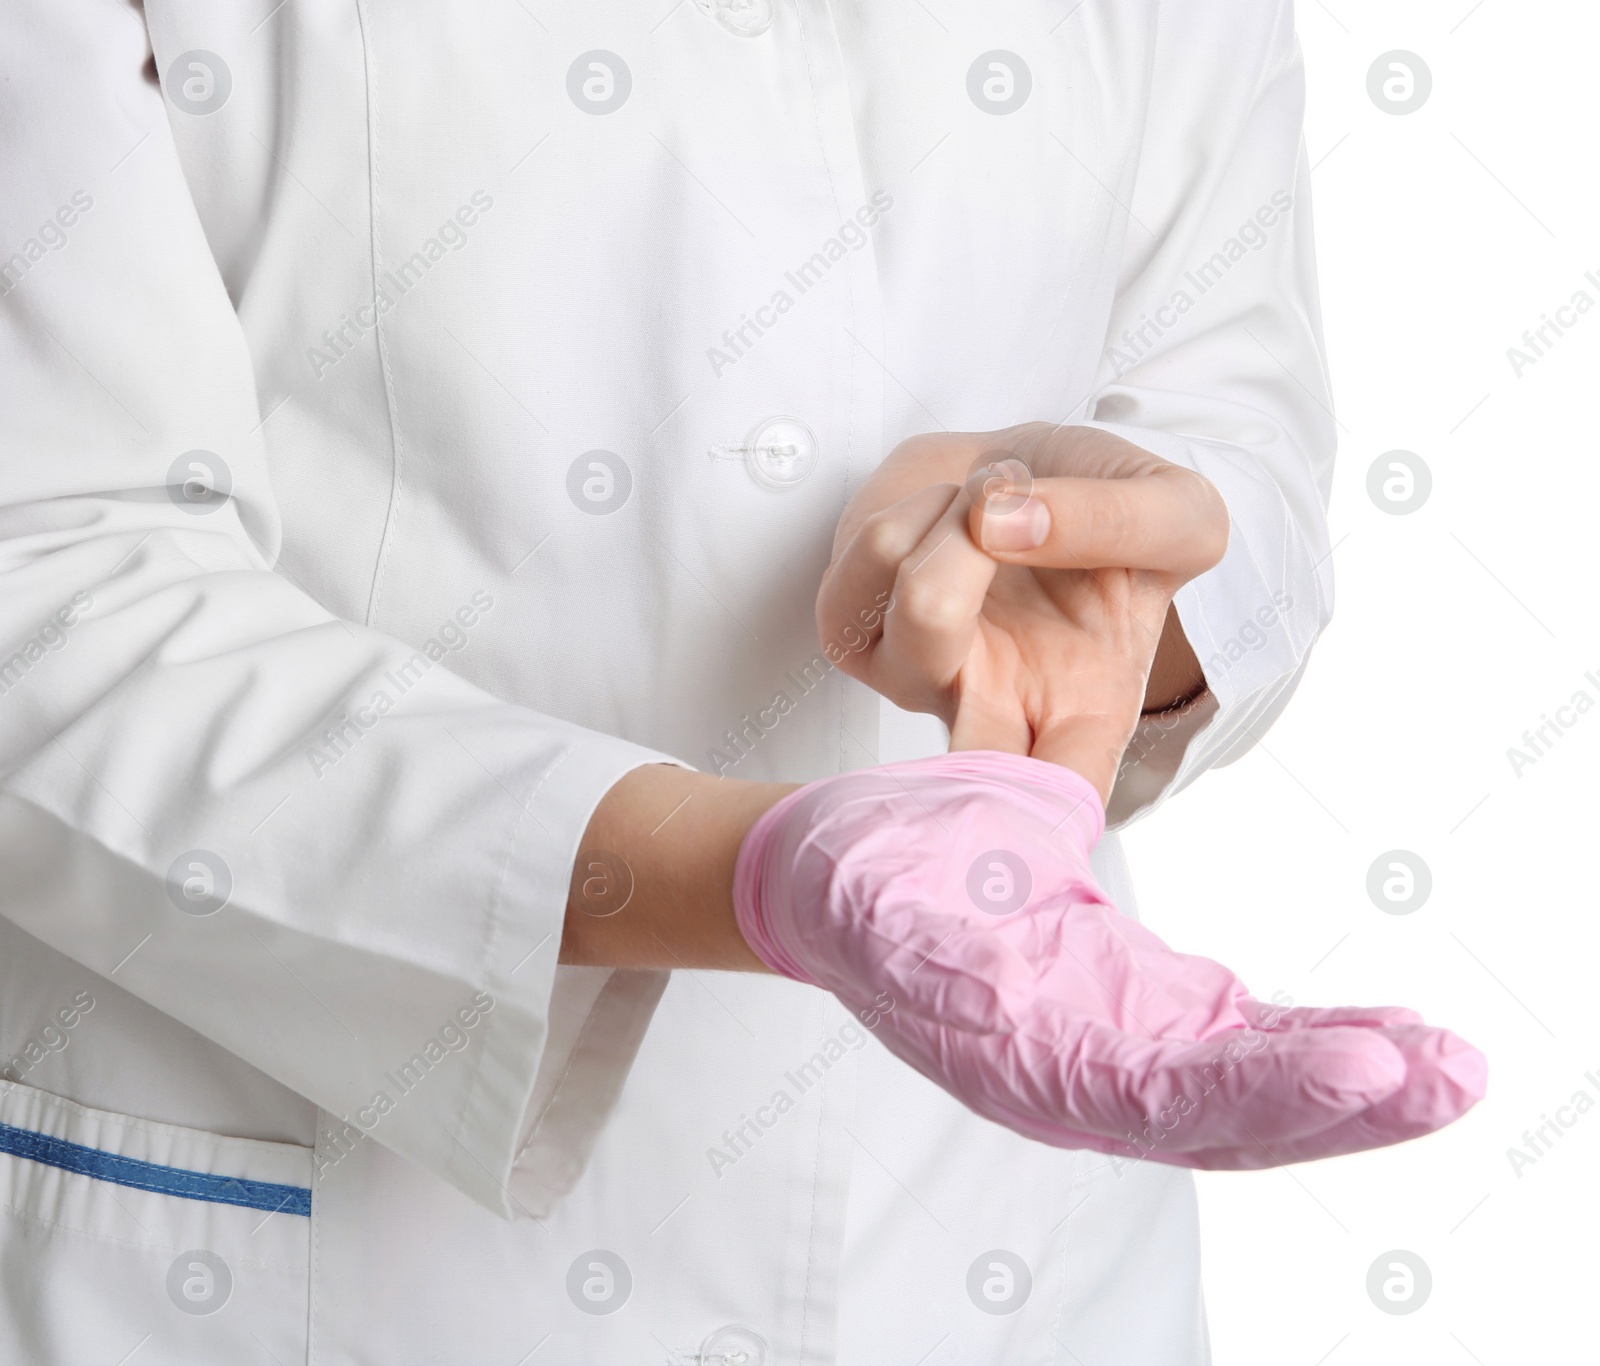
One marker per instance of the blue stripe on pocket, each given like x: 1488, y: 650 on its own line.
x: 152, y: 1176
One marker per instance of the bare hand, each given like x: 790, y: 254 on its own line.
x: 1031, y: 571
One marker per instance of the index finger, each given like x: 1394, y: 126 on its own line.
x: 860, y: 581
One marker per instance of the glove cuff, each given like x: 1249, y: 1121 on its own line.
x: 758, y: 880
x: 754, y: 883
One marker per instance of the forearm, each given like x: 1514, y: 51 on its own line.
x: 652, y: 886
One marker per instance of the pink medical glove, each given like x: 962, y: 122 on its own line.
x: 957, y: 890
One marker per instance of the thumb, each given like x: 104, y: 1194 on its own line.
x: 1168, y: 520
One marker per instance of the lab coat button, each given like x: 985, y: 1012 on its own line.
x: 745, y: 18
x: 734, y: 1345
x: 780, y: 452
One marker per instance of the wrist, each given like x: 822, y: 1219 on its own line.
x: 652, y: 884
x: 756, y: 881
x: 1176, y: 677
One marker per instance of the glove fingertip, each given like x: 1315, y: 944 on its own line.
x: 1356, y: 1065
x: 1464, y: 1067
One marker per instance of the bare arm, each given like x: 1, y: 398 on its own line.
x: 652, y: 886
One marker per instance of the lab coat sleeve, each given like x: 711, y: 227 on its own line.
x: 1214, y: 361
x: 307, y: 840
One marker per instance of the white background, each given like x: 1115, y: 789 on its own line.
x: 1442, y: 235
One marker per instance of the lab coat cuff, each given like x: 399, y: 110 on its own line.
x: 1251, y: 622
x: 561, y: 1040
x: 599, y: 1018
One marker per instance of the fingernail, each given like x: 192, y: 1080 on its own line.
x: 1023, y: 528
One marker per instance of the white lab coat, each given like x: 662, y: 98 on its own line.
x: 325, y: 628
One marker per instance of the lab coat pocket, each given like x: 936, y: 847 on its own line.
x: 119, y: 1235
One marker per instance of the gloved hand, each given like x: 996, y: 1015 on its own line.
x: 958, y: 889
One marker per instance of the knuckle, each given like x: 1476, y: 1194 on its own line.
x: 883, y: 540
x: 931, y: 606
